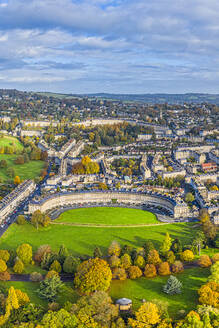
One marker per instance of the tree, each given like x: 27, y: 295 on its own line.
x: 198, y: 242
x: 187, y: 256
x: 22, y: 297
x: 114, y: 248
x: 18, y: 266
x: 210, y: 230
x: 203, y: 215
x: 114, y: 261
x: 134, y: 272
x: 165, y: 247
x: 63, y: 253
x: 173, y: 286
x: 177, y: 267
x: 5, y: 276
x: 21, y: 220
x: 3, y: 266
x: 176, y: 246
x: 49, y: 288
x: 215, y: 257
x: 150, y: 271
x: 3, y: 164
x: 71, y: 264
x: 119, y: 273
x: 189, y: 198
x: 164, y: 269
x: 50, y: 274
x: 43, y: 249
x: 148, y: 246
x: 204, y: 261
x: 17, y: 180
x: 56, y: 266
x: 147, y: 315
x: 170, y: 257
x: 126, y: 261
x: 153, y: 257
x: 24, y: 252
x: 209, y: 294
x: 61, y: 319
x: 92, y: 275
x: 4, y: 255
x: 139, y: 261
x: 192, y: 320
x: 214, y: 273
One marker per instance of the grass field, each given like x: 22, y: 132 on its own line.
x: 11, y: 142
x: 151, y: 289
x: 108, y: 215
x: 28, y: 170
x: 83, y: 240
x: 67, y: 293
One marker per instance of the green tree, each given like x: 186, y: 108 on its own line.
x: 165, y: 247
x: 59, y: 319
x: 49, y: 288
x: 173, y: 286
x: 97, y: 252
x: 63, y: 253
x: 56, y: 266
x: 71, y: 264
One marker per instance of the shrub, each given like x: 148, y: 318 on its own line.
x: 150, y: 271
x: 5, y: 276
x: 36, y: 277
x: 119, y: 273
x: 126, y: 261
x: 71, y: 264
x: 134, y: 272
x: 204, y: 261
x: 177, y: 267
x: 187, y: 256
x: 170, y: 257
x: 164, y: 269
x: 18, y: 266
x: 173, y: 286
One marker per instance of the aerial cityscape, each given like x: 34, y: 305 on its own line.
x: 109, y: 164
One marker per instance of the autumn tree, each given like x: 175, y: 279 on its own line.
x: 17, y: 180
x: 134, y: 272
x: 119, y: 274
x: 18, y: 266
x: 126, y: 261
x: 4, y: 255
x: 177, y: 267
x: 209, y: 294
x: 187, y: 256
x: 24, y: 252
x: 163, y: 269
x: 203, y: 215
x: 92, y: 275
x: 56, y: 266
x: 3, y: 266
x: 114, y: 261
x: 147, y: 315
x: 170, y: 257
x: 114, y: 248
x: 150, y: 271
x: 139, y: 261
x: 214, y: 273
x: 204, y: 261
x: 21, y: 220
x: 153, y: 257
x: 43, y: 249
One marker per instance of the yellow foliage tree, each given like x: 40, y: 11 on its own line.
x: 17, y: 180
x: 146, y: 316
x: 187, y: 256
x: 209, y: 294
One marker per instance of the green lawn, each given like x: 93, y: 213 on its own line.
x: 83, y: 240
x: 108, y: 215
x: 28, y: 170
x: 67, y: 293
x: 151, y: 289
x: 11, y: 142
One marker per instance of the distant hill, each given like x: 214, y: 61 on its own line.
x: 155, y: 98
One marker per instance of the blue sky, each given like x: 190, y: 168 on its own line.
x: 119, y: 46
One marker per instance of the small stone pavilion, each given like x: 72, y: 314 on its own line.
x: 124, y: 304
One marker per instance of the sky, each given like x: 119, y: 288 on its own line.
x: 114, y: 46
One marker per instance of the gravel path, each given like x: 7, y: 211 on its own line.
x: 90, y: 225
